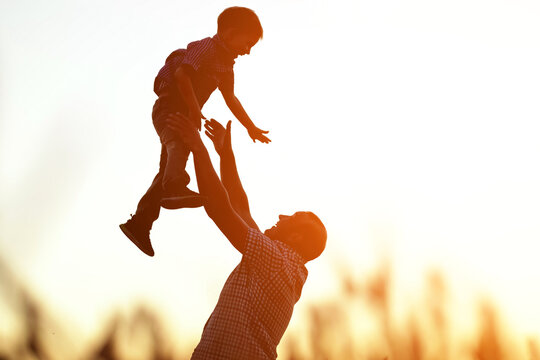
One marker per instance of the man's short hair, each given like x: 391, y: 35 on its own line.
x: 241, y: 19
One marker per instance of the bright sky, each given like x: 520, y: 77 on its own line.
x: 410, y: 127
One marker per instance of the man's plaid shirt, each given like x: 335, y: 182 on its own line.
x: 256, y: 303
x: 209, y: 63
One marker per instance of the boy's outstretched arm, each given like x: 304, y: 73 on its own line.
x: 218, y: 207
x: 184, y: 85
x: 238, y: 110
x: 221, y: 138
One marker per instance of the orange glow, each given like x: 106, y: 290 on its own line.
x: 410, y: 127
x: 358, y: 322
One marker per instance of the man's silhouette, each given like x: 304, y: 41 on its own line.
x: 257, y: 300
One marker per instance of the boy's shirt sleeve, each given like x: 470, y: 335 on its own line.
x: 204, y: 55
x: 199, y: 53
x: 226, y: 82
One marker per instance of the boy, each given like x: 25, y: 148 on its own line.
x: 183, y: 85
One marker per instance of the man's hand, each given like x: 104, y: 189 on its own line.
x: 220, y: 136
x: 218, y: 205
x: 195, y: 118
x: 185, y: 130
x: 257, y: 134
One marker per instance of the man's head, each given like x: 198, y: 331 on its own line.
x: 240, y: 29
x: 303, y: 231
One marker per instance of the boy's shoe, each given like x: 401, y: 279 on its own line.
x: 183, y: 199
x: 138, y: 235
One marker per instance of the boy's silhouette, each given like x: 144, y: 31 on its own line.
x: 183, y: 85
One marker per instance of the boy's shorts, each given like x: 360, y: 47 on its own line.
x: 162, y: 108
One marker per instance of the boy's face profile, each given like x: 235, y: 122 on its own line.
x: 239, y: 43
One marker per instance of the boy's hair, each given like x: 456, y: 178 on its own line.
x: 241, y: 19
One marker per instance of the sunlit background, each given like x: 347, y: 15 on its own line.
x: 410, y: 127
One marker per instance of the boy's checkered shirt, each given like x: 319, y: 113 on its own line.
x: 212, y: 64
x: 256, y: 303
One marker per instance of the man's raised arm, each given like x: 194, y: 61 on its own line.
x: 218, y: 205
x: 221, y: 138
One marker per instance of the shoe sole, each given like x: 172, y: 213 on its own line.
x: 190, y: 201
x: 134, y: 240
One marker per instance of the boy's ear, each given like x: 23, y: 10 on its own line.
x: 227, y: 33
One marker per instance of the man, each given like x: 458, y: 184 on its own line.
x: 257, y: 300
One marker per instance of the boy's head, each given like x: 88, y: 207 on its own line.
x: 240, y: 29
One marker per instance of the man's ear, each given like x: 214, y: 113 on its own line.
x: 296, y: 240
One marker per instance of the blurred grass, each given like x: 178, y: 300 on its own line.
x: 357, y: 323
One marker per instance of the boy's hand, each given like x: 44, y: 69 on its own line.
x: 220, y: 136
x: 185, y: 130
x: 257, y: 134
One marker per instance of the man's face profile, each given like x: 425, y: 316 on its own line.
x: 303, y: 231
